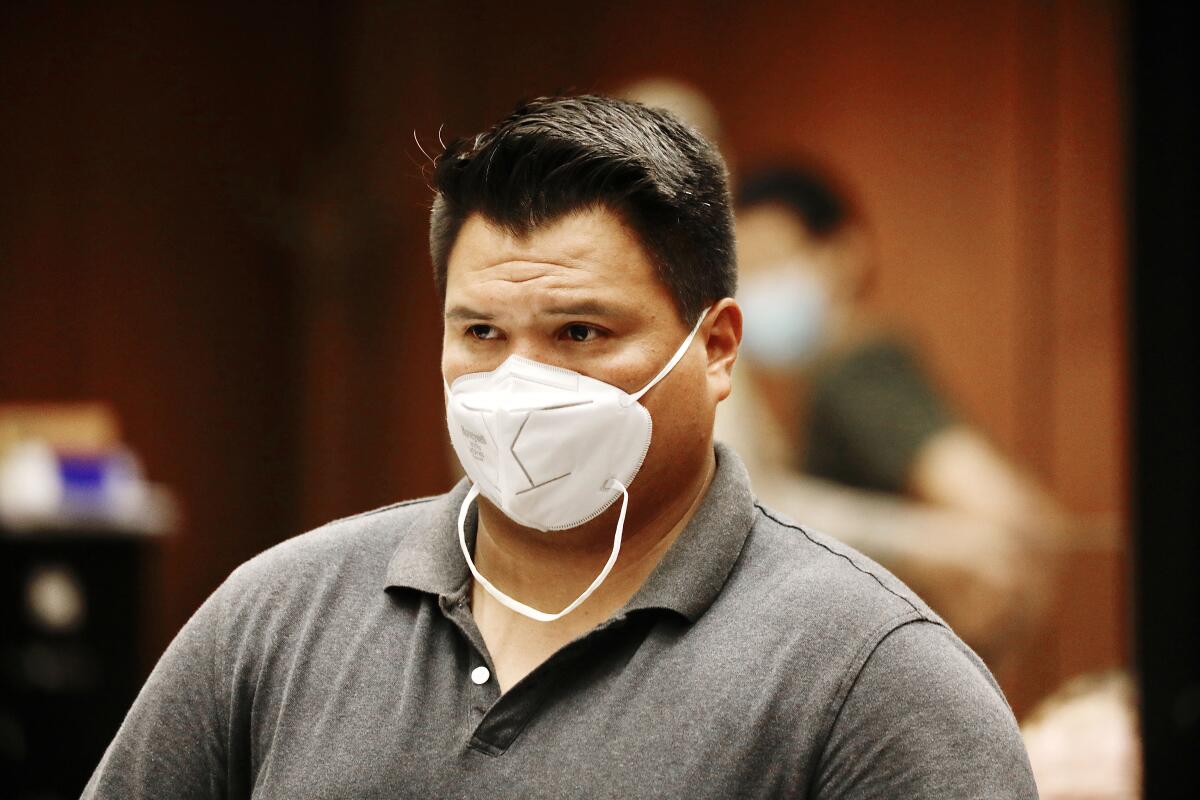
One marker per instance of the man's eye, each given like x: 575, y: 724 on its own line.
x: 482, y: 332
x: 579, y: 332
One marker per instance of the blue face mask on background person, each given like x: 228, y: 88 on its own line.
x: 785, y: 316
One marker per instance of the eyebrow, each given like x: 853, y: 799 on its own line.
x: 584, y: 308
x: 462, y: 312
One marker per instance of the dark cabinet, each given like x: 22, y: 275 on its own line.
x: 76, y: 613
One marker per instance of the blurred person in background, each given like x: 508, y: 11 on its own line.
x: 602, y: 608
x: 842, y: 428
x: 887, y: 466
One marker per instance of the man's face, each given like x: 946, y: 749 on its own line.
x: 581, y: 293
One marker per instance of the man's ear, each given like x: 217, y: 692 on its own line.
x: 722, y: 335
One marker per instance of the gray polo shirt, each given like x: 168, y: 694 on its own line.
x: 758, y: 660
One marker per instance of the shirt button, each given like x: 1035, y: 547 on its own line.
x: 480, y: 676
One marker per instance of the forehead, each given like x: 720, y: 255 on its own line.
x: 586, y: 252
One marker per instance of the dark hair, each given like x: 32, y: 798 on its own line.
x: 556, y: 155
x: 812, y: 196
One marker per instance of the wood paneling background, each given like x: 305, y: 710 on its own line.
x: 215, y: 220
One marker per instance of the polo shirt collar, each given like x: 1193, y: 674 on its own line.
x: 686, y: 581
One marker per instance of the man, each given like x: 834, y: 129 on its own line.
x: 837, y: 396
x: 601, y: 609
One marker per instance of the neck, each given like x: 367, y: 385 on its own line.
x: 548, y: 570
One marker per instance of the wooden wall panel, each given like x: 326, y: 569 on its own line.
x: 1088, y: 371
x: 137, y: 262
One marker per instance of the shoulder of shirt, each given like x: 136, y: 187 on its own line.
x: 367, y: 539
x: 829, y: 575
x: 838, y: 606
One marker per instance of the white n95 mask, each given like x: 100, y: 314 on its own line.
x: 550, y: 448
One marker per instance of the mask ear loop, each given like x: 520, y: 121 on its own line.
x: 662, y: 373
x: 518, y: 606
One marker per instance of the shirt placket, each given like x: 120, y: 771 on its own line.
x: 482, y: 688
x: 501, y: 718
